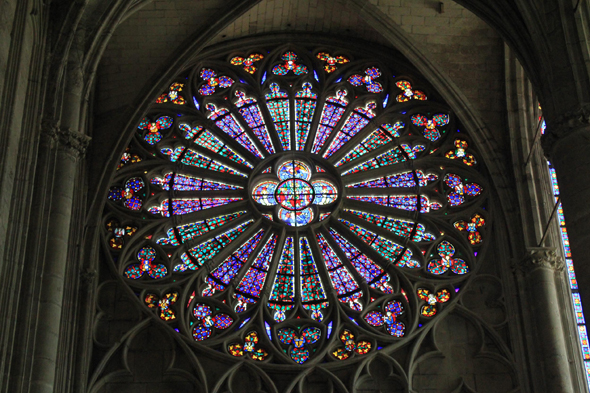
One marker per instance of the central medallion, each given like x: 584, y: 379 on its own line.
x: 295, y: 192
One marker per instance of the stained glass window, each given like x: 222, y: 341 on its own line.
x: 577, y: 301
x: 289, y: 221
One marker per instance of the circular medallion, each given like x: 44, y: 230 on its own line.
x: 293, y: 193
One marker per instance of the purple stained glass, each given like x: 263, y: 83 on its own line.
x: 355, y: 122
x: 305, y: 104
x: 229, y: 124
x: 251, y: 113
x: 340, y: 277
x: 185, y: 206
x: 277, y: 102
x: 228, y: 270
x: 332, y: 112
x: 368, y: 269
x: 253, y: 281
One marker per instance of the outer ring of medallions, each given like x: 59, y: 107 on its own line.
x: 275, y: 161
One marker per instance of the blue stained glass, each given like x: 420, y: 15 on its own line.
x: 210, y: 248
x: 253, y: 117
x: 399, y: 227
x: 334, y: 108
x: 571, y: 273
x: 297, y: 218
x: 305, y: 104
x: 578, y: 308
x: 340, y: 277
x: 227, y: 271
x: 329, y: 333
x: 182, y: 206
x: 190, y: 183
x: 368, y: 269
x: 403, y: 202
x: 253, y: 281
x: 277, y: 102
x: 228, y: 124
x: 355, y: 122
x: 199, y: 160
x: 390, y: 157
x: 388, y: 249
x: 311, y: 283
x: 553, y: 177
x: 403, y: 179
x: 283, y: 289
x: 584, y: 342
x: 243, y: 323
x: 206, y: 139
x: 195, y: 229
x: 377, y: 138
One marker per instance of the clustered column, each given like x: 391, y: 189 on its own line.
x: 538, y: 269
x: 68, y: 147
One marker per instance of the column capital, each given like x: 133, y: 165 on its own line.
x: 540, y: 258
x: 563, y: 125
x: 73, y: 141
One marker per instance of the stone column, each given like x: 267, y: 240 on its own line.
x: 543, y: 311
x: 567, y: 144
x: 69, y: 146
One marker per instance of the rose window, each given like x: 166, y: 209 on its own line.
x: 297, y: 206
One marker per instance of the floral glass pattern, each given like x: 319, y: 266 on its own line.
x: 300, y: 219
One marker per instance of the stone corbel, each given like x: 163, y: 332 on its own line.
x: 75, y: 142
x: 540, y: 258
x: 563, y: 125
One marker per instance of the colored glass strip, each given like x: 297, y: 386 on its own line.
x: 182, y: 206
x: 196, y: 229
x: 206, y: 139
x: 390, y: 157
x: 250, y: 286
x: 578, y: 310
x: 402, y: 202
x: 366, y: 267
x: 208, y: 249
x: 403, y: 179
x: 388, y: 249
x: 277, y: 102
x: 222, y: 276
x: 196, y: 159
x: 305, y: 104
x: 282, y: 297
x: 355, y: 122
x: 228, y: 123
x: 312, y: 289
x: 251, y: 113
x: 345, y: 285
x: 333, y: 110
x: 190, y: 183
x: 377, y: 138
x: 399, y: 227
